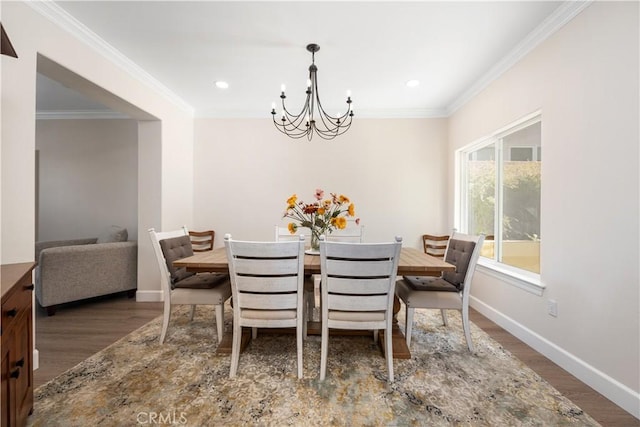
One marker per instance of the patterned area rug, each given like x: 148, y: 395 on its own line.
x: 137, y: 381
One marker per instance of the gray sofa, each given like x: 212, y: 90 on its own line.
x: 72, y: 270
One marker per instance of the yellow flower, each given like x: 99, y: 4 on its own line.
x: 291, y: 201
x: 293, y: 227
x: 341, y: 222
x: 321, y: 211
x: 327, y: 203
x: 352, y: 210
x: 344, y: 199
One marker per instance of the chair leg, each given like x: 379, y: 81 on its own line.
x: 375, y: 335
x: 445, y: 321
x: 193, y: 312
x: 165, y: 321
x: 300, y: 330
x: 465, y: 326
x: 235, y: 348
x: 254, y: 333
x: 408, y: 325
x: 323, y: 350
x: 305, y: 320
x: 220, y: 321
x: 388, y: 354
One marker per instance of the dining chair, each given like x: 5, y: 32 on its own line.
x: 447, y: 292
x: 182, y: 287
x: 202, y: 241
x: 353, y: 233
x: 358, y: 283
x: 267, y: 285
x: 435, y: 245
x: 310, y: 281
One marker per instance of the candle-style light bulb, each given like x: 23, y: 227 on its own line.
x: 273, y: 106
x: 349, y: 94
x: 282, y: 88
x: 283, y: 114
x: 308, y: 82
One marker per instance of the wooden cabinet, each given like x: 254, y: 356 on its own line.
x: 16, y: 346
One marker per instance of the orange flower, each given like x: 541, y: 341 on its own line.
x: 291, y: 201
x: 344, y: 199
x: 352, y: 210
x: 293, y: 227
x: 339, y: 222
x: 321, y: 211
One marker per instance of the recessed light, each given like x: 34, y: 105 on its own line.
x: 413, y: 83
x: 222, y: 85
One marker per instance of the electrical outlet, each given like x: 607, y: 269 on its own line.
x: 552, y: 307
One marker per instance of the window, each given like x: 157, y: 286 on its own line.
x: 500, y: 194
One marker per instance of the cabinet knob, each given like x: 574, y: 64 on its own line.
x: 30, y: 287
x: 12, y: 312
x: 15, y: 374
x: 20, y: 362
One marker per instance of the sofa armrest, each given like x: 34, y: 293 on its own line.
x: 71, y: 273
x: 57, y: 243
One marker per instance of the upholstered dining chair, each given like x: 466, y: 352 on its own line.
x: 447, y: 292
x: 182, y: 287
x: 202, y: 241
x: 358, y: 283
x: 267, y: 284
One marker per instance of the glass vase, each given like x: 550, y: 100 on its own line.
x: 315, y: 240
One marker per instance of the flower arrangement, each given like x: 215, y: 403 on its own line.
x: 321, y: 216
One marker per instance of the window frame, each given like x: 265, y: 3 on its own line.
x: 523, y: 279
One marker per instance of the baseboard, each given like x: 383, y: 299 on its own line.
x: 36, y: 359
x: 618, y: 393
x: 149, y: 296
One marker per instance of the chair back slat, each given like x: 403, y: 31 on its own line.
x: 272, y: 284
x: 266, y: 266
x: 360, y: 268
x: 266, y: 250
x: 260, y: 302
x: 367, y: 302
x: 355, y: 286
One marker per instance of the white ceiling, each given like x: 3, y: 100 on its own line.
x: 371, y: 48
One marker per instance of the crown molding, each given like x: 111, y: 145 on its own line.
x: 54, y: 13
x: 563, y: 14
x: 80, y: 114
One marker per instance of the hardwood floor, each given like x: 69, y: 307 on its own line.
x: 79, y: 330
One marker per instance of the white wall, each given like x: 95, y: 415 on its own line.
x: 585, y: 81
x: 88, y: 177
x: 166, y: 199
x: 392, y: 169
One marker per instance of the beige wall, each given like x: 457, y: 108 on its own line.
x: 584, y: 79
x: 392, y: 169
x: 88, y: 177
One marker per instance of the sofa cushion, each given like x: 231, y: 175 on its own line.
x: 174, y: 249
x: 113, y: 234
x: 459, y: 254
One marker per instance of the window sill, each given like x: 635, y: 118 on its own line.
x: 524, y: 280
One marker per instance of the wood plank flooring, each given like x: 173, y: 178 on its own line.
x: 79, y: 330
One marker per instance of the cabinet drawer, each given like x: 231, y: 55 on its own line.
x: 15, y: 304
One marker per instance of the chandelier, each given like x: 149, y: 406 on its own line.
x: 312, y: 119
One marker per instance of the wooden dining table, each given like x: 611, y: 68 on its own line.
x: 413, y: 262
